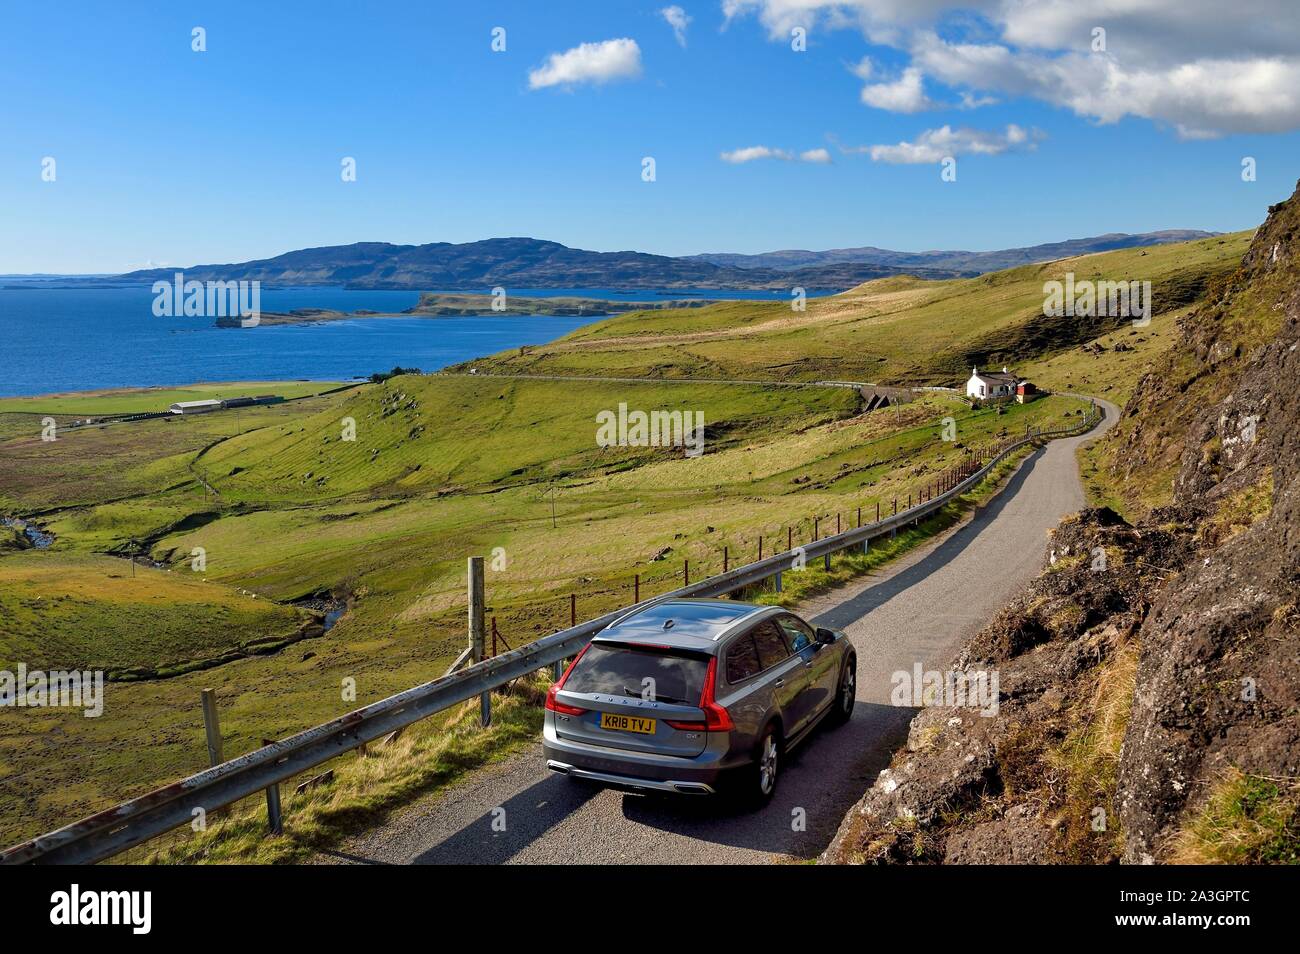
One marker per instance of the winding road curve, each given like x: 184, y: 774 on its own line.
x: 921, y: 608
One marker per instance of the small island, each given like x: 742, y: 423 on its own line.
x: 463, y: 305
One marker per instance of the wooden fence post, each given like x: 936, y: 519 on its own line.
x: 274, y: 820
x: 477, y: 632
x: 212, y: 726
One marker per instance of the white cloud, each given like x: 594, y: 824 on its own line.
x: 750, y: 153
x: 904, y: 95
x: 678, y: 19
x: 753, y: 153
x: 934, y: 145
x: 1201, y: 67
x: 589, y: 63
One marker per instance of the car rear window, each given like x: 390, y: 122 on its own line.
x: 618, y: 669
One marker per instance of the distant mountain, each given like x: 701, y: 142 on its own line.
x: 970, y: 263
x: 533, y: 263
x: 512, y: 263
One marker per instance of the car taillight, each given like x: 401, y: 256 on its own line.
x: 716, y: 718
x: 560, y: 707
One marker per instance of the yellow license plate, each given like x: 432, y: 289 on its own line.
x: 623, y: 723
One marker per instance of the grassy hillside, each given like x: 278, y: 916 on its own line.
x: 894, y: 330
x: 442, y: 467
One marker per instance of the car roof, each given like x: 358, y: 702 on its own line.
x: 695, y: 624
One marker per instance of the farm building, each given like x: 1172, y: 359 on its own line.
x: 990, y: 384
x: 203, y: 407
x: 998, y: 386
x: 195, y: 407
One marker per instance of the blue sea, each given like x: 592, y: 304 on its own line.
x: 56, y: 339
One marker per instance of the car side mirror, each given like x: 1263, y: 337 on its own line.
x: 825, y: 636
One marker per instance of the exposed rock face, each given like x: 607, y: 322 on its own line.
x: 1219, y: 680
x: 1195, y: 605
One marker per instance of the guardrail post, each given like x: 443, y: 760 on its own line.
x: 866, y: 546
x: 827, y: 564
x: 778, y: 581
x: 274, y: 820
x: 211, y: 726
x: 476, y: 631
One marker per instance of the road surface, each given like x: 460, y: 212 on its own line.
x: 921, y: 608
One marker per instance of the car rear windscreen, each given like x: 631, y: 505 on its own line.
x: 622, y: 670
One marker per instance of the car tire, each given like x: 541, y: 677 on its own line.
x: 845, y: 693
x: 761, y: 779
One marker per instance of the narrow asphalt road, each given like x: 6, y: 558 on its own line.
x: 921, y: 608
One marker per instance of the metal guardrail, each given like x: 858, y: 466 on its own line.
x: 114, y: 830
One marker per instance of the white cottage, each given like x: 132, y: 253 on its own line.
x: 991, y: 385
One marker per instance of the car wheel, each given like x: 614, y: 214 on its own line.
x: 766, y: 769
x: 847, y: 692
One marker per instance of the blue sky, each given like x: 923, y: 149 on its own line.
x: 169, y: 156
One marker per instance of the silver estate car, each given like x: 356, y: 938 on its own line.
x: 696, y: 696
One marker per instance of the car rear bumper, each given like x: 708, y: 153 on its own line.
x: 629, y: 783
x: 639, y: 771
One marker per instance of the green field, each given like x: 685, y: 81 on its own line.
x: 93, y: 610
x: 145, y: 400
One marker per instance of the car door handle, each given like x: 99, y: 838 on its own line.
x: 779, y: 683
